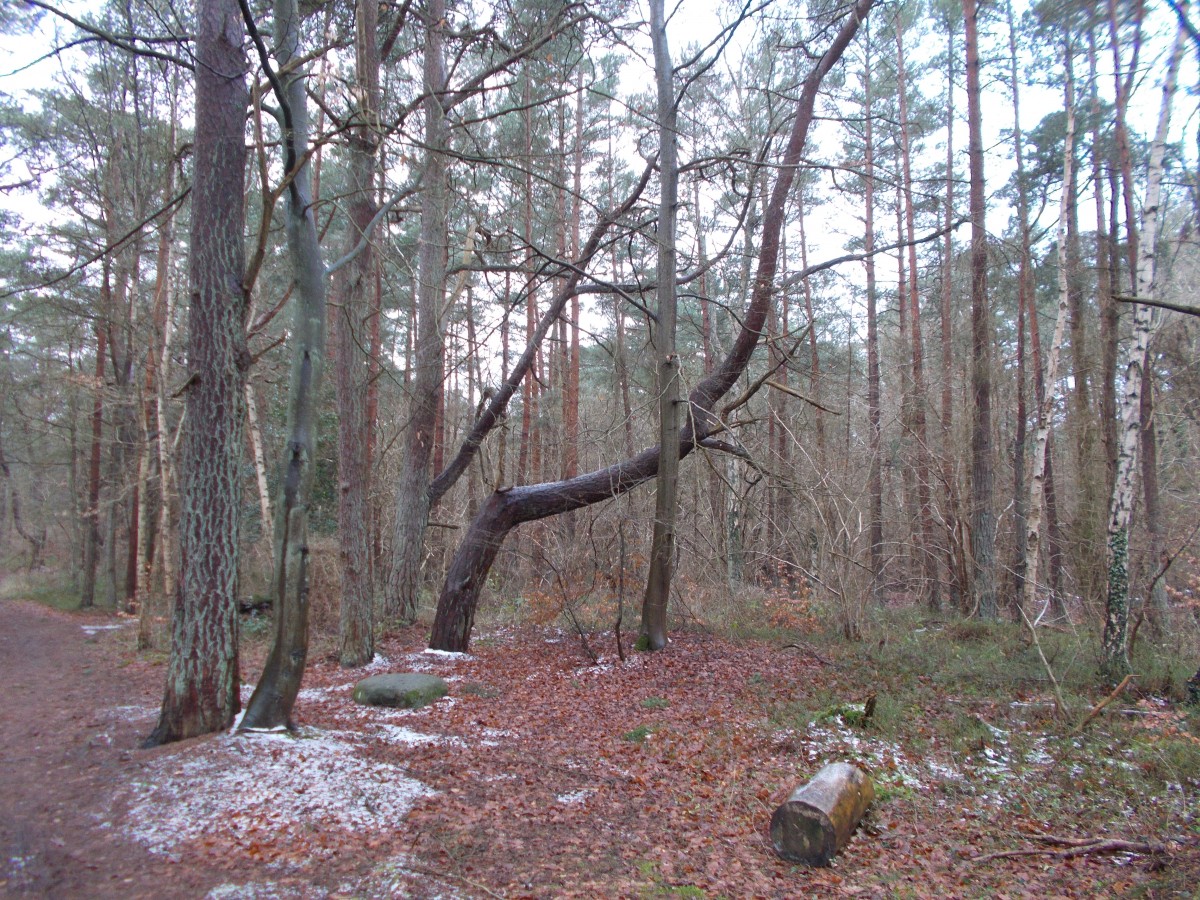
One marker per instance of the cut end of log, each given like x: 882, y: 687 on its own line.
x: 818, y: 818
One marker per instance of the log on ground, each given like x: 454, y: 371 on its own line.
x: 818, y: 818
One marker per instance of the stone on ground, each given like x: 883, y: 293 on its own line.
x: 408, y: 690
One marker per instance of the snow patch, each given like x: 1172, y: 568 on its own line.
x: 241, y: 783
x: 92, y: 630
x: 397, y: 734
x: 447, y: 654
x: 575, y: 798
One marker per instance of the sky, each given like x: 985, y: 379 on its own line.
x: 830, y: 226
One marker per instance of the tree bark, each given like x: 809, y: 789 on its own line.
x: 662, y: 543
x: 202, y: 672
x: 413, y: 501
x: 350, y: 311
x: 983, y: 517
x: 506, y: 509
x: 931, y: 589
x: 1037, y: 469
x: 874, y: 410
x: 91, y: 533
x: 274, y: 696
x: 1115, y: 644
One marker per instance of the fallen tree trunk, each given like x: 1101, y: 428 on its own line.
x: 818, y: 818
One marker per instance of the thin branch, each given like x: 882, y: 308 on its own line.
x: 110, y: 248
x: 121, y: 41
x: 1160, y: 304
x: 1099, y: 707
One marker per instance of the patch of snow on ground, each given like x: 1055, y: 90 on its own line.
x: 254, y: 891
x: 448, y: 655
x: 239, y: 782
x: 882, y: 757
x: 575, y: 797
x: 397, y: 734
x: 93, y: 630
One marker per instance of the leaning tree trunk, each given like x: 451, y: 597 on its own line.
x: 1115, y: 663
x: 662, y: 544
x: 506, y: 509
x: 202, y: 672
x: 271, y: 704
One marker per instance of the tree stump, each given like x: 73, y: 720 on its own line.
x: 818, y: 818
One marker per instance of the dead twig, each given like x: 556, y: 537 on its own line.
x: 811, y: 651
x: 1099, y: 707
x: 1070, y: 847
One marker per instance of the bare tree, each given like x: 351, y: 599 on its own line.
x: 507, y: 508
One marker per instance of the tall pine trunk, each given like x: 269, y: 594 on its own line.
x: 983, y: 517
x: 202, y: 672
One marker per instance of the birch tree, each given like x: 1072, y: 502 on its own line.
x: 1115, y: 644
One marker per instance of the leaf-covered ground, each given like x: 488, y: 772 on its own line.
x: 545, y: 775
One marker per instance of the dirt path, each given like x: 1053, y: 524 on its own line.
x: 66, y: 739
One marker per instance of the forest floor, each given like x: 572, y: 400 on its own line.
x: 544, y: 774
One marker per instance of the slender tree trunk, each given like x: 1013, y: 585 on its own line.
x: 504, y: 510
x: 413, y: 501
x: 954, y: 550
x: 1115, y: 645
x: 202, y: 673
x: 1106, y: 285
x: 983, y: 518
x: 929, y: 568
x: 254, y: 432
x: 91, y: 533
x: 1022, y: 501
x: 271, y: 703
x: 662, y: 545
x: 874, y: 411
x: 1155, y: 592
x: 353, y: 287
x: 1037, y: 469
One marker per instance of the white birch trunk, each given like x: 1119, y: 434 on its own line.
x: 1116, y: 621
x: 1037, y: 466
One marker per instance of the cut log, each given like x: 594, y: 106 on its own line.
x: 818, y: 818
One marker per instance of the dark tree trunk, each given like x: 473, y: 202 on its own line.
x: 91, y: 532
x: 202, y: 673
x: 504, y: 510
x: 983, y: 517
x: 931, y: 589
x: 662, y: 544
x: 874, y: 411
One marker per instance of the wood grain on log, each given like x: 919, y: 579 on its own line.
x: 818, y: 818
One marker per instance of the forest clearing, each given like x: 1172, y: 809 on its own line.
x: 543, y: 774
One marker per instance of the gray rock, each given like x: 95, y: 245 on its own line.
x: 409, y: 690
